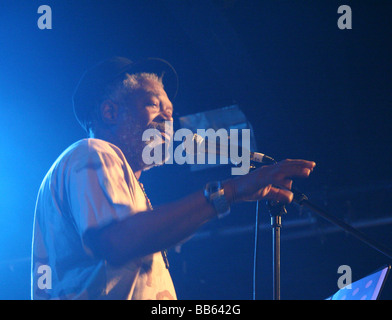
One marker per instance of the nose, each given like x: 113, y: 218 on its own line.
x: 161, y: 118
x: 166, y: 114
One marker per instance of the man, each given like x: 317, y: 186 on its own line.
x: 95, y: 233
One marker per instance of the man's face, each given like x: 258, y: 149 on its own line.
x: 149, y: 108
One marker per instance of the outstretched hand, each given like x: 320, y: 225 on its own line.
x: 272, y: 182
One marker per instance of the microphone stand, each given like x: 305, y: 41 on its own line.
x: 277, y: 209
x: 302, y: 200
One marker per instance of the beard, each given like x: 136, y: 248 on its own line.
x: 137, y: 146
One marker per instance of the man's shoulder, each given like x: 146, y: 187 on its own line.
x: 92, y: 146
x: 88, y: 151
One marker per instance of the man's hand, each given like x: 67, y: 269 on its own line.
x: 271, y: 182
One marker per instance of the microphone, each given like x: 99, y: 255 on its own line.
x: 261, y: 158
x: 196, y: 144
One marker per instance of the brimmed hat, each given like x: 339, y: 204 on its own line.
x: 95, y: 80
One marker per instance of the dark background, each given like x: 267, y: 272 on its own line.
x: 309, y: 89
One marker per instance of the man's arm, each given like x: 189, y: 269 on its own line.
x: 151, y: 231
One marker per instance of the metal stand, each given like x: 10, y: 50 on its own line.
x: 276, y: 210
x: 302, y: 200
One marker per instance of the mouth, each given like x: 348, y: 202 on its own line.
x: 166, y: 136
x: 160, y: 131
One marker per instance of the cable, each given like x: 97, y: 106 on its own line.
x: 255, y: 250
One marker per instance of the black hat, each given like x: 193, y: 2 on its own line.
x: 95, y: 80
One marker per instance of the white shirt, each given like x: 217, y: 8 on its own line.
x: 90, y: 185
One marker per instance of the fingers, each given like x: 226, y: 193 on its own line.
x: 276, y: 194
x: 288, y: 169
x: 285, y: 184
x: 296, y: 168
x: 257, y: 184
x: 280, y: 174
x: 280, y: 178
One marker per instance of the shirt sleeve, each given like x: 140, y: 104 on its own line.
x: 98, y: 190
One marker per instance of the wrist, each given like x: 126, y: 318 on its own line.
x: 230, y: 191
x: 215, y: 194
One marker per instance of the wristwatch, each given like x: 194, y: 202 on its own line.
x: 215, y: 194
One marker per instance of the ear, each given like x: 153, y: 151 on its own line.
x: 109, y: 112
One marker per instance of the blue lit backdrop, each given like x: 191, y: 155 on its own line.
x: 310, y: 90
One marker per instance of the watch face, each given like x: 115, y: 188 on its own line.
x: 216, y: 195
x: 213, y: 187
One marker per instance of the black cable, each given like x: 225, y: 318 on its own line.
x: 255, y: 250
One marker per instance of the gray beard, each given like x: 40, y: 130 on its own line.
x: 135, y: 146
